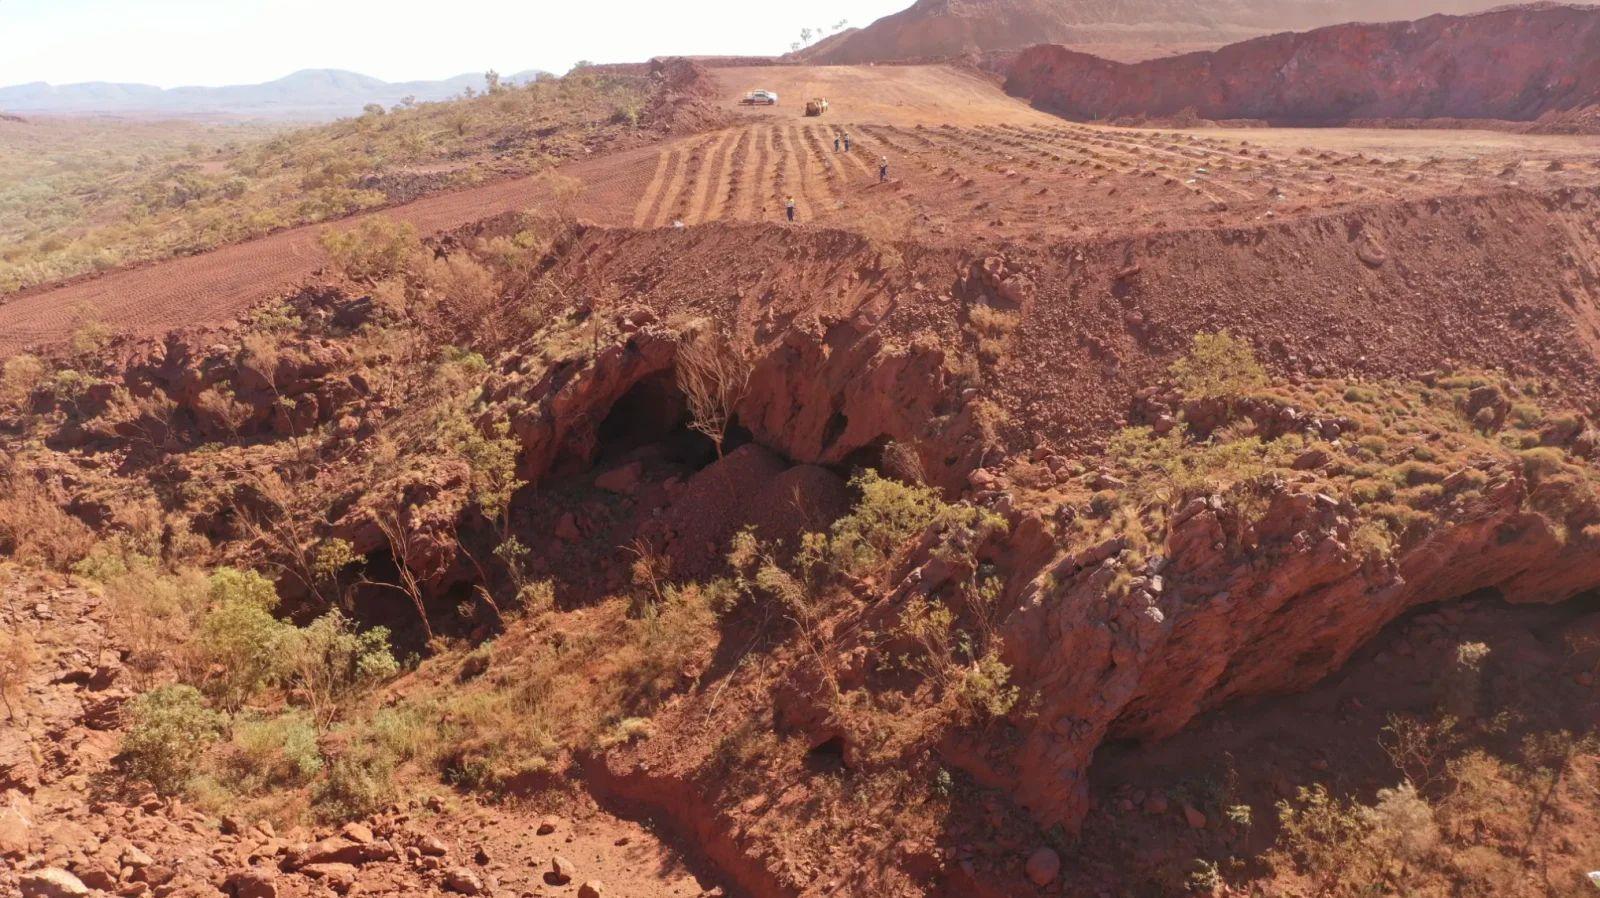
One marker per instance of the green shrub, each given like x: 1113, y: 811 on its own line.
x: 1542, y: 462
x: 238, y: 637
x: 376, y: 249
x: 170, y: 731
x: 1218, y: 366
x: 356, y: 785
x: 333, y: 661
x: 986, y: 687
x: 887, y: 515
x: 272, y: 752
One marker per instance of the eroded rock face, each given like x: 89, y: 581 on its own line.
x: 1115, y: 651
x: 818, y: 394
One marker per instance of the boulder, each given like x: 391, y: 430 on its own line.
x: 340, y: 851
x: 549, y: 825
x: 338, y: 877
x: 16, y: 828
x: 255, y: 882
x: 1043, y: 866
x: 623, y: 481
x: 463, y: 881
x: 52, y: 882
x: 561, y: 870
x: 591, y: 889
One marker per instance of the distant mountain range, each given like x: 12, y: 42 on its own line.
x: 308, y: 94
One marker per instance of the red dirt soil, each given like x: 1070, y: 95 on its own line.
x: 1518, y: 63
x: 995, y: 172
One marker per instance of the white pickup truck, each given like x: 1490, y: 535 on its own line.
x: 760, y: 98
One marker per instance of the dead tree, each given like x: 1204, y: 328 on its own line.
x: 713, y: 371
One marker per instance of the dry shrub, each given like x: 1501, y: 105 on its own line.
x: 21, y: 375
x: 992, y: 326
x: 884, y: 237
x: 260, y: 353
x: 152, y: 614
x: 564, y: 191
x: 460, y: 297
x: 375, y: 249
x: 1461, y: 685
x: 221, y: 405
x: 33, y: 528
x: 713, y: 370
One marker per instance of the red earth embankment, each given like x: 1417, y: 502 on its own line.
x: 1519, y: 64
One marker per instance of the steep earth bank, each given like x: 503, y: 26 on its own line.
x: 1143, y: 29
x: 1520, y: 63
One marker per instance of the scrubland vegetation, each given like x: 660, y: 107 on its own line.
x: 148, y: 191
x: 237, y: 603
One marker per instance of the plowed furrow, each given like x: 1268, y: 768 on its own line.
x: 680, y: 185
x: 664, y: 196
x: 745, y: 191
x: 709, y: 179
x: 647, y: 202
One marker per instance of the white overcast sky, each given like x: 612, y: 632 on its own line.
x: 211, y: 42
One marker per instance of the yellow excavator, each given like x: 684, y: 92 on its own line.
x: 816, y: 106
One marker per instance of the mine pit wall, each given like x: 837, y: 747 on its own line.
x: 852, y: 353
x: 1534, y: 61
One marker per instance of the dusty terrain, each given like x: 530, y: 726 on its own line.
x: 966, y: 164
x: 1546, y: 64
x: 65, y: 807
x: 1076, y: 510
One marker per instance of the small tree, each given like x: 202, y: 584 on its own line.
x: 564, y: 192
x: 713, y: 370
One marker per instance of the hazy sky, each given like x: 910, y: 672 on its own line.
x: 209, y: 42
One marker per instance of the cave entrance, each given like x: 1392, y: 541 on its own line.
x: 654, y: 412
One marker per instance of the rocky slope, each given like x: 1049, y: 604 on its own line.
x: 1096, y: 546
x: 1126, y: 30
x: 1519, y: 63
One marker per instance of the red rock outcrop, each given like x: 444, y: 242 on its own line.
x: 1207, y: 622
x: 1517, y: 63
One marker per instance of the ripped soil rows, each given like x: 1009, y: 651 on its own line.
x: 968, y: 167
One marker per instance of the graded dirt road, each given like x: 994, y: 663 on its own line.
x: 966, y: 164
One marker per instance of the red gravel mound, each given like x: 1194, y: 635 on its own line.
x: 1518, y: 63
